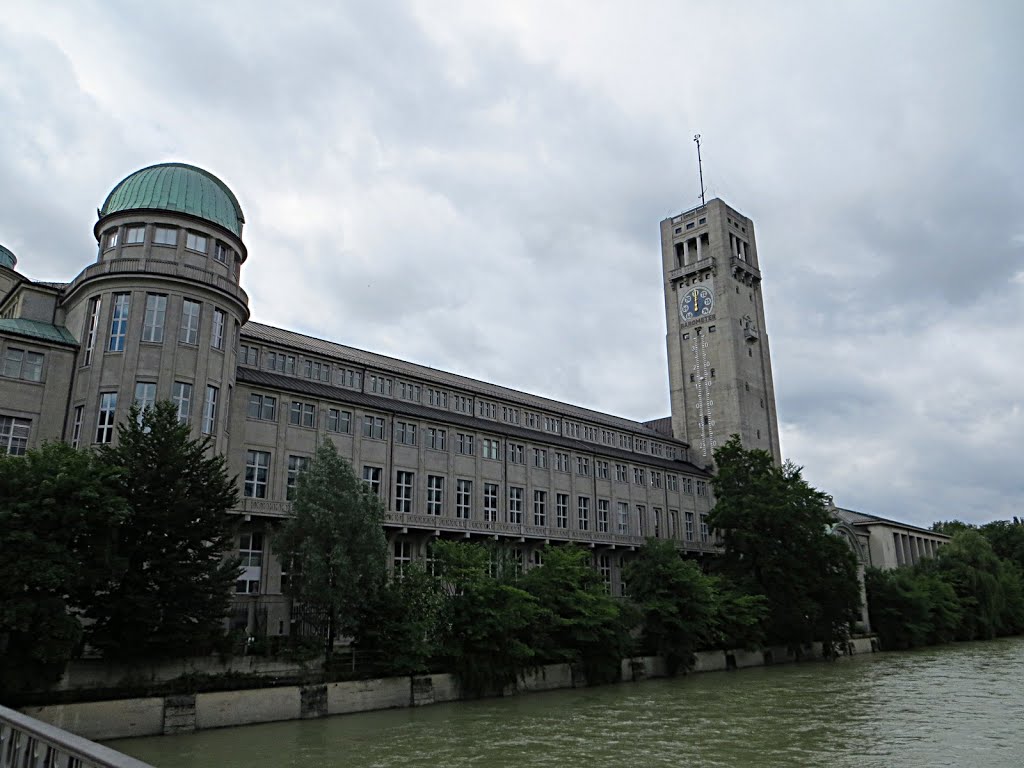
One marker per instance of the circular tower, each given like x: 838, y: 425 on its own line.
x: 158, y: 314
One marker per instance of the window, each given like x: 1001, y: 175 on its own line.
x: 673, y: 523
x: 705, y: 533
x: 135, y: 235
x: 601, y: 469
x: 562, y: 510
x: 262, y: 407
x: 437, y: 398
x: 464, y: 444
x: 22, y: 364
x: 463, y: 499
x: 402, y: 558
x: 349, y: 378
x: 515, y: 453
x: 76, y: 429
x: 296, y: 466
x: 111, y: 239
x: 672, y: 481
x: 623, y: 517
x: 540, y: 504
x: 487, y: 410
x: 436, y: 438
x: 195, y: 242
x: 688, y: 519
x: 181, y: 395
x: 641, y: 520
x: 257, y: 467
x: 153, y: 324
x: 602, y: 515
x: 463, y: 404
x: 583, y: 466
x: 280, y: 362
x: 165, y: 236
x: 515, y: 505
x: 217, y: 329
x: 380, y: 385
x: 250, y: 552
x: 210, y: 411
x: 657, y: 522
x: 408, y: 391
x: 491, y: 448
x: 302, y: 414
x: 688, y: 485
x: 604, y: 567
x: 221, y: 252
x: 250, y: 356
x: 339, y: 420
x: 583, y: 510
x: 571, y: 429
x: 105, y: 418
x: 620, y: 472
x: 93, y: 325
x: 145, y: 396
x: 561, y: 461
x: 14, y: 434
x: 371, y: 476
x: 702, y: 488
x: 435, y: 495
x: 540, y: 458
x: 510, y: 415
x: 189, y: 331
x: 638, y: 475
x: 655, y: 479
x: 119, y: 322
x: 373, y: 427
x: 405, y: 433
x: 490, y: 502
x: 317, y: 371
x: 403, y: 491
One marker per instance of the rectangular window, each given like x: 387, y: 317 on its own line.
x: 602, y: 515
x: 403, y: 557
x: 371, y: 476
x: 465, y: 444
x: 22, y: 364
x: 403, y: 491
x: 601, y: 470
x: 583, y: 466
x: 119, y: 322
x: 540, y: 508
x: 14, y: 434
x: 339, y: 421
x: 76, y: 429
x: 673, y: 523
x: 464, y: 499
x: 623, y: 517
x: 540, y: 458
x: 296, y: 466
x: 672, y: 481
x: 257, y: 467
x: 189, y: 331
x: 583, y: 510
x: 249, y: 356
x: 463, y: 404
x: 515, y: 453
x: 405, y: 433
x: 105, y: 417
x: 435, y: 495
x: 153, y: 324
x: 561, y: 461
x: 641, y: 520
x: 195, y: 242
x: 263, y: 407
x: 702, y: 488
x: 111, y: 238
x: 638, y: 476
x: 220, y: 252
x: 491, y: 448
x: 145, y: 395
x: 250, y: 552
x: 490, y: 502
x: 436, y: 439
x: 689, y: 526
x: 302, y: 414
x: 705, y: 533
x: 655, y: 479
x: 604, y: 567
x: 688, y: 485
x: 620, y: 473
x: 93, y: 325
x: 437, y: 398
x: 165, y: 236
x: 217, y: 329
x: 562, y: 510
x: 657, y: 522
x: 181, y: 395
x: 373, y: 426
x: 515, y: 505
x: 210, y: 411
x: 134, y: 235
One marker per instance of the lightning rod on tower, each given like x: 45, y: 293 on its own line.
x: 700, y: 169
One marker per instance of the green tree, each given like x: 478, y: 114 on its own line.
x: 900, y: 606
x: 173, y: 583
x: 972, y: 569
x: 59, y: 510
x: 739, y: 616
x: 335, y: 543
x: 775, y: 531
x: 401, y: 626
x: 952, y: 527
x: 1007, y: 539
x: 487, y: 621
x: 578, y: 621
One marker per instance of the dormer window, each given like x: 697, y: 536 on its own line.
x: 165, y: 236
x: 135, y: 235
x: 195, y: 242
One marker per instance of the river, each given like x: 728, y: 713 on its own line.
x: 959, y: 705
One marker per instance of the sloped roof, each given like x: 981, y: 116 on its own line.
x: 33, y: 329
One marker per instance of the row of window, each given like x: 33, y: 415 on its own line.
x: 153, y: 324
x: 163, y: 235
x: 388, y: 386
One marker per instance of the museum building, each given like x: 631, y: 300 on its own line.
x: 160, y: 315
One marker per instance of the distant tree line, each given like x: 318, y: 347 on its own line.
x: 972, y: 590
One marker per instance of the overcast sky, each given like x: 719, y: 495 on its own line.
x: 477, y: 186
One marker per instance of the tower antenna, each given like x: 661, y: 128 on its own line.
x: 700, y: 168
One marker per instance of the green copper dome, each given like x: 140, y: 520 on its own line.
x: 7, y: 259
x: 180, y: 188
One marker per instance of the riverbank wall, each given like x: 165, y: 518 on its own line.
x: 155, y: 715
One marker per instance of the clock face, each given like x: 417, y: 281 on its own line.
x: 696, y: 302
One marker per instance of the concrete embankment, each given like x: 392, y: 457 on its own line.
x: 177, y: 713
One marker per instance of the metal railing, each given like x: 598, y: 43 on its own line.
x: 29, y: 743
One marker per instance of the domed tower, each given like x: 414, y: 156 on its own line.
x: 158, y: 315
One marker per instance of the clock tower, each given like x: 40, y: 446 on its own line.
x: 720, y: 372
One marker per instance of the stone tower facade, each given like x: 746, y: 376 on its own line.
x: 720, y: 372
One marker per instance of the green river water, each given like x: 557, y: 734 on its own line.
x: 960, y: 705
